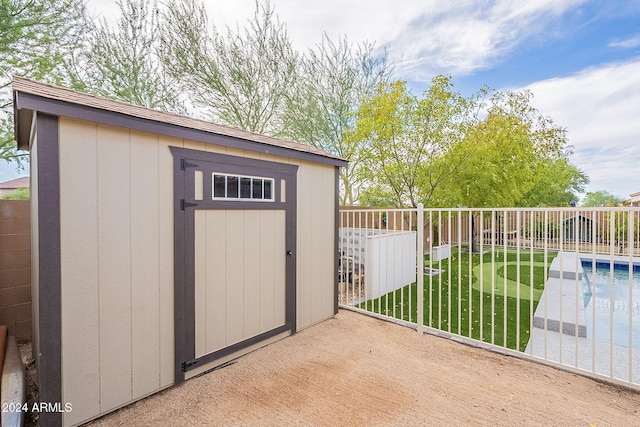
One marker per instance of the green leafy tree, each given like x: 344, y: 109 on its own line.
x: 514, y: 157
x: 406, y: 138
x: 498, y: 169
x: 242, y: 78
x: 601, y: 198
x: 35, y: 37
x: 123, y: 63
x: 384, y: 129
x: 19, y: 194
x: 334, y: 78
x: 556, y: 183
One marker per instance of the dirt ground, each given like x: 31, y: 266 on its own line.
x: 30, y: 418
x: 356, y: 370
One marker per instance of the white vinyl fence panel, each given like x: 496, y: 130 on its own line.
x: 387, y: 258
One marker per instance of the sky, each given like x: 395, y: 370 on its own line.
x: 580, y: 59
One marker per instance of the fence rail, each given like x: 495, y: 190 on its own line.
x: 556, y: 285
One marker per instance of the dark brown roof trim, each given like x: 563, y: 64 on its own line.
x: 32, y: 96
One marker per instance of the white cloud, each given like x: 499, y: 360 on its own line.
x: 599, y: 107
x: 463, y: 37
x: 629, y: 43
x: 422, y: 37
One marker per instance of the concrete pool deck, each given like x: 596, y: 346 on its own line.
x: 562, y: 305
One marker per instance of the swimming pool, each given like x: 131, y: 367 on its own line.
x: 607, y: 299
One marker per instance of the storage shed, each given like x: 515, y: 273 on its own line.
x: 163, y: 246
x: 578, y: 228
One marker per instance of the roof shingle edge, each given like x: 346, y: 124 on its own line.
x: 57, y: 93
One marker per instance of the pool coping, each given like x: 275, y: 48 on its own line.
x: 546, y: 342
x: 559, y: 308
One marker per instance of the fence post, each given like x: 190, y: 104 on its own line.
x: 420, y: 269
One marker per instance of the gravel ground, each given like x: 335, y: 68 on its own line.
x: 356, y: 370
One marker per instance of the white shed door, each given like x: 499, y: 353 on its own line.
x: 239, y: 276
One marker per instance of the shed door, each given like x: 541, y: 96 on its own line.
x: 235, y: 254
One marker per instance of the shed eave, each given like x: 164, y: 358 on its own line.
x: 31, y: 97
x: 22, y: 125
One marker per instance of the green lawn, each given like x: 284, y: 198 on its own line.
x: 458, y: 301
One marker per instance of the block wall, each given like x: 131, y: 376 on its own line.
x: 15, y: 268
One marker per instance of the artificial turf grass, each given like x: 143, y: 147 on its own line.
x: 445, y: 311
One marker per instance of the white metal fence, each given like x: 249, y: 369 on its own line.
x: 559, y: 285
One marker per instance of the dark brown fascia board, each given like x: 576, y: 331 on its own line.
x: 25, y: 102
x: 22, y: 129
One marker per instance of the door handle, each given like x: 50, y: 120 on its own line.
x: 289, y: 253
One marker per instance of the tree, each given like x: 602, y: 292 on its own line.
x: 18, y: 194
x: 498, y: 165
x: 242, y: 78
x: 514, y: 157
x: 556, y: 183
x: 335, y: 77
x: 35, y: 36
x: 123, y: 62
x: 406, y: 139
x: 601, y: 198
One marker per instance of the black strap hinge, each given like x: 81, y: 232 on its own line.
x: 184, y: 164
x: 184, y: 205
x: 187, y: 365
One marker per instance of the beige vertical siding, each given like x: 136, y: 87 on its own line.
x: 114, y: 265
x: 239, y: 274
x: 117, y: 266
x: 145, y: 263
x: 165, y: 255
x: 251, y: 267
x: 214, y: 291
x: 316, y: 217
x: 272, y: 269
x: 306, y: 251
x: 80, y: 293
x: 234, y: 273
x: 200, y: 278
x: 117, y: 263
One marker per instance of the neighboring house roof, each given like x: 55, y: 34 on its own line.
x: 578, y: 216
x: 30, y: 96
x: 14, y: 184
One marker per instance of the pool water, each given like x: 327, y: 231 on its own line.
x: 608, y: 300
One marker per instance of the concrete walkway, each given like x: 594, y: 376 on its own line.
x: 354, y: 370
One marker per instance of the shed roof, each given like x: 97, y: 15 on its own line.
x: 579, y: 217
x: 31, y: 96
